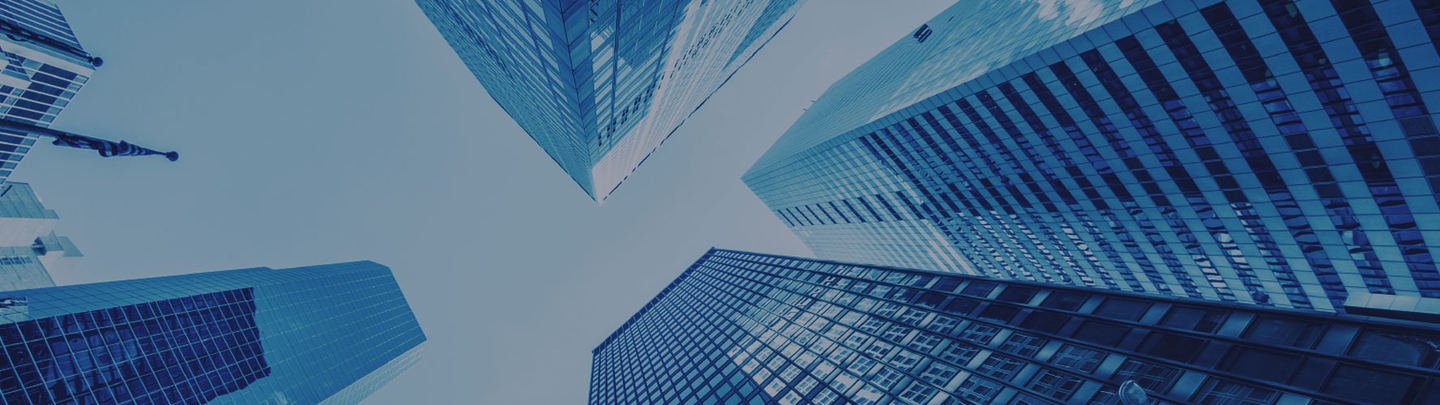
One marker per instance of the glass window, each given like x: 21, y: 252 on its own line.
x: 1122, y: 309
x: 1101, y: 333
x: 1043, y: 321
x: 999, y: 312
x: 1001, y: 367
x: 1195, y: 319
x: 961, y: 306
x: 905, y: 360
x: 942, y: 324
x: 1368, y: 386
x: 1018, y: 294
x: 1054, y: 384
x: 1023, y: 344
x: 1078, y: 358
x: 977, y: 390
x: 1283, y: 332
x: 1261, y: 364
x: 918, y: 393
x: 1173, y: 347
x: 886, y: 378
x: 1065, y: 300
x: 939, y: 374
x: 1155, y: 378
x: 959, y: 353
x: 979, y: 288
x: 1395, y: 348
x: 924, y: 342
x: 979, y: 333
x: 1222, y: 392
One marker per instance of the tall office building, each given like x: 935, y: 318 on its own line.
x: 1274, y: 152
x: 746, y: 328
x: 600, y: 84
x: 44, y: 67
x: 330, y: 334
x: 29, y: 249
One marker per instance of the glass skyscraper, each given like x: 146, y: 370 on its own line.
x: 44, y: 67
x: 1271, y: 152
x: 330, y: 334
x: 745, y: 328
x: 600, y: 84
x: 29, y: 249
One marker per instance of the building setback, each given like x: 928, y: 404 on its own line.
x: 1269, y: 152
x: 29, y: 249
x: 600, y: 84
x: 747, y: 328
x: 44, y: 66
x: 330, y: 334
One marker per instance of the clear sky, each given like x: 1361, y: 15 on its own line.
x: 335, y: 130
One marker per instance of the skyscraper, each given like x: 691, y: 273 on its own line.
x: 44, y: 67
x: 1273, y: 152
x: 330, y: 334
x: 600, y: 84
x: 746, y: 328
x: 29, y: 249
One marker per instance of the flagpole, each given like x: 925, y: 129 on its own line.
x: 72, y: 139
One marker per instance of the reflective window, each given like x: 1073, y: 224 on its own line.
x: 1368, y: 386
x: 1078, y: 358
x: 1173, y: 347
x: 1283, y: 332
x: 1123, y: 309
x: 1198, y: 320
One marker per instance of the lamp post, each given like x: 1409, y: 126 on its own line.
x: 105, y: 147
x: 1131, y: 393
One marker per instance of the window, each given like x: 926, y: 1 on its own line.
x: 861, y: 365
x: 1222, y: 392
x: 1001, y: 367
x: 924, y: 342
x: 1368, y: 386
x: 872, y: 325
x: 1283, y: 332
x: 879, y: 349
x: 1122, y: 309
x: 897, y: 333
x: 977, y: 390
x: 961, y: 306
x: 939, y: 374
x: 1022, y: 344
x: 1173, y: 347
x: 905, y: 360
x: 1065, y: 300
x: 1101, y: 333
x: 1043, y: 321
x: 868, y: 395
x: 1055, y: 384
x: 886, y: 378
x: 1261, y: 364
x: 999, y: 312
x: 1395, y: 348
x: 1152, y: 377
x: 959, y: 353
x: 913, y: 316
x: 1198, y: 320
x: 980, y: 289
x: 942, y: 324
x: 1078, y: 358
x: 918, y: 393
x: 1017, y: 294
x: 979, y: 333
x: 887, y: 309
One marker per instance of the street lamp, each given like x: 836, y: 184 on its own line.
x: 1131, y: 393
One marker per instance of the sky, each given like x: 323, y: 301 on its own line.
x: 326, y: 131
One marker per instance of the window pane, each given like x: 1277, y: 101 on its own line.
x: 1368, y: 386
x: 1262, y: 364
x: 1284, y: 332
x: 1065, y: 300
x: 1395, y: 348
x: 1173, y: 347
x: 1017, y: 293
x: 1045, y: 322
x: 1198, y: 320
x: 1122, y: 309
x: 1101, y: 333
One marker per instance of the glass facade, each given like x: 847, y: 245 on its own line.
x: 746, y: 328
x: 1270, y: 152
x: 43, y: 68
x: 29, y: 248
x: 600, y: 84
x: 329, y: 334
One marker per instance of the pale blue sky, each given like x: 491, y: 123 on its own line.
x: 326, y: 131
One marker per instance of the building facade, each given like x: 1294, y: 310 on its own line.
x: 330, y: 334
x: 44, y: 68
x: 1270, y: 152
x: 29, y: 248
x: 746, y: 328
x: 600, y: 84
